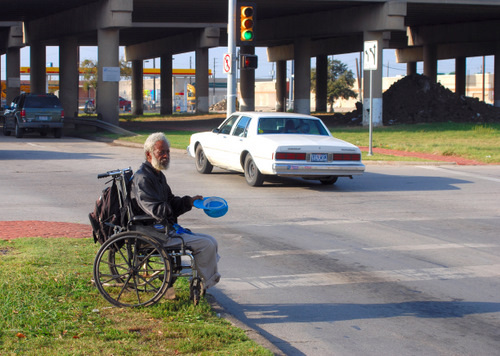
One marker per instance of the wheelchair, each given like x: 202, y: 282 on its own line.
x: 141, y: 260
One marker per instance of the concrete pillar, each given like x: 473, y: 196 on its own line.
x: 107, y: 85
x: 460, y: 75
x: 496, y: 77
x: 281, y: 93
x: 201, y: 80
x: 69, y: 75
x: 13, y: 67
x: 137, y: 87
x: 166, y: 84
x: 376, y: 84
x: 247, y: 83
x: 302, y: 89
x: 411, y: 68
x: 321, y: 83
x: 430, y: 62
x: 38, y: 75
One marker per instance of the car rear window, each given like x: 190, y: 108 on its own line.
x: 286, y: 125
x: 41, y: 101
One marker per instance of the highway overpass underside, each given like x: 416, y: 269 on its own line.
x: 295, y: 30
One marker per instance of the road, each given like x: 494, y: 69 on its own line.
x: 404, y: 260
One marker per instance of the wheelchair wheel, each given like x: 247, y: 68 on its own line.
x: 132, y: 270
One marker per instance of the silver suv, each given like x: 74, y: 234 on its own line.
x: 34, y: 112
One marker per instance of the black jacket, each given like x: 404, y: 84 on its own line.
x: 154, y: 196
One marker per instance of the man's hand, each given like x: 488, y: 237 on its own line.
x: 196, y: 197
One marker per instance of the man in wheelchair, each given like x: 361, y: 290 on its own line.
x: 153, y: 195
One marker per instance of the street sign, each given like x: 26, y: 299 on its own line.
x: 226, y: 63
x: 370, y: 59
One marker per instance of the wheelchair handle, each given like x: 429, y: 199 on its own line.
x: 113, y: 174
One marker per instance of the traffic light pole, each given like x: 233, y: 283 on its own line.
x: 231, y: 44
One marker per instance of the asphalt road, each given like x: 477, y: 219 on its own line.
x: 404, y: 260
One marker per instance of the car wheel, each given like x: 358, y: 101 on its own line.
x: 329, y: 180
x: 252, y: 173
x: 202, y: 164
x: 57, y: 133
x: 19, y: 131
x: 4, y: 129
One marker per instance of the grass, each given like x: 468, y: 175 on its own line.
x: 471, y: 141
x: 50, y: 307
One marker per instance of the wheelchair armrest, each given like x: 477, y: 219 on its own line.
x: 142, y: 219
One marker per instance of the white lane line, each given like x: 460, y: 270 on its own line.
x: 465, y: 174
x: 270, y: 253
x: 343, y: 278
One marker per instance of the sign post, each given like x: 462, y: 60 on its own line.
x: 370, y: 62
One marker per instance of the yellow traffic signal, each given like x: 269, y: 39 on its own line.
x: 247, y: 23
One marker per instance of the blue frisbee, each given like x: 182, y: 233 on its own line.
x: 214, y: 207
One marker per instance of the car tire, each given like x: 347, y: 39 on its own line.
x: 202, y: 164
x: 252, y: 174
x: 57, y: 133
x: 19, y: 131
x: 5, y: 131
x: 329, y: 180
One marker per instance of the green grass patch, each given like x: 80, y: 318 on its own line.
x: 50, y: 307
x: 477, y: 142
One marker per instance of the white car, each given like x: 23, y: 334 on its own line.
x: 283, y: 144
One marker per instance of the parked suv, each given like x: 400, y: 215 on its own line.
x: 34, y: 112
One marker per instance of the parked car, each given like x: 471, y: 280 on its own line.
x: 280, y: 144
x: 124, y: 104
x: 34, y: 112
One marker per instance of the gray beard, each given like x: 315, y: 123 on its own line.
x: 157, y: 164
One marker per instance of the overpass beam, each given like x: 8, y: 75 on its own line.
x: 430, y: 62
x: 137, y: 87
x: 496, y: 79
x: 69, y: 75
x: 302, y: 87
x: 247, y: 83
x: 376, y: 84
x: 281, y: 93
x: 166, y: 84
x: 38, y: 75
x: 13, y: 68
x: 108, y: 75
x: 460, y: 75
x: 201, y: 80
x: 321, y: 83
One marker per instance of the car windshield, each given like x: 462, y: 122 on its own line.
x: 287, y: 125
x: 41, y: 101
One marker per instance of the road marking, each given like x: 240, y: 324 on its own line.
x: 344, y: 278
x: 260, y: 254
x: 465, y: 174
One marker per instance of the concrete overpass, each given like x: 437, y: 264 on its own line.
x: 420, y: 30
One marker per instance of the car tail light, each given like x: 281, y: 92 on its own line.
x: 62, y: 114
x: 290, y: 156
x: 23, y: 115
x: 347, y: 157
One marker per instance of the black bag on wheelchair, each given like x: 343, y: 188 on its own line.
x: 106, y: 215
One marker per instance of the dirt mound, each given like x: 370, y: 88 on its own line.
x: 416, y: 99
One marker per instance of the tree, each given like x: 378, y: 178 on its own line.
x: 339, y: 82
x: 89, y: 69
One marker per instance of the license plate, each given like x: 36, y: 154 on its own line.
x: 43, y: 118
x: 319, y: 157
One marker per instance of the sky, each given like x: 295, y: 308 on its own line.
x: 266, y: 69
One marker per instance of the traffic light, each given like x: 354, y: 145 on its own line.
x: 247, y: 23
x: 248, y: 61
